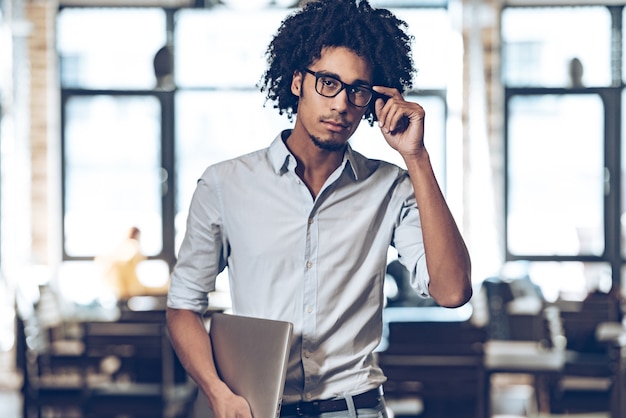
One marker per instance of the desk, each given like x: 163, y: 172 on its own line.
x: 435, y: 354
x: 614, y: 334
x: 609, y: 331
x: 525, y: 357
x: 152, y: 309
x: 618, y: 394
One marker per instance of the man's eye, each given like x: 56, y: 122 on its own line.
x: 358, y: 91
x: 329, y: 82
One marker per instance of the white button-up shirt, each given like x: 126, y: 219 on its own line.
x: 318, y: 263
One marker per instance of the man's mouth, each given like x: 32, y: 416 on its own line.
x: 335, y: 126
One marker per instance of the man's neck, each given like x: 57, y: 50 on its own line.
x: 315, y: 165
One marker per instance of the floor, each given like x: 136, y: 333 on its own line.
x: 10, y: 399
x: 10, y: 404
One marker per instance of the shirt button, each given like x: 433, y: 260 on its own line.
x: 307, y: 354
x: 309, y: 309
x: 308, y: 396
x: 309, y: 264
x: 311, y: 220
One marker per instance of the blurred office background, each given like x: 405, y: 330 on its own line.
x: 111, y: 109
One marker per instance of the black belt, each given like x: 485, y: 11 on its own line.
x: 369, y: 399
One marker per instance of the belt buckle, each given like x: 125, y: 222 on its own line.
x: 307, y: 408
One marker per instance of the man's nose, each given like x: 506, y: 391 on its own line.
x: 340, y: 101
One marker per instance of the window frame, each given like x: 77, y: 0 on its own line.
x: 611, y: 97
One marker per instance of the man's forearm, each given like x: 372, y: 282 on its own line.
x: 193, y: 346
x: 447, y: 257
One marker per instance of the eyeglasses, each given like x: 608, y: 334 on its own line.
x: 329, y: 86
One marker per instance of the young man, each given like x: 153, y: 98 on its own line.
x: 304, y: 226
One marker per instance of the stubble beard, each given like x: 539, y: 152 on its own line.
x: 329, y: 145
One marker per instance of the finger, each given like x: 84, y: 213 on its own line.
x: 386, y: 91
x: 393, y: 118
x: 379, y: 107
x: 392, y: 112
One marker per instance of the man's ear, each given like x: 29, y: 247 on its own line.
x: 296, y: 83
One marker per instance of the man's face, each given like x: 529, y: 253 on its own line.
x: 330, y: 121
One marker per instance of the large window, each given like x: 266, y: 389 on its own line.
x: 114, y: 176
x: 556, y: 175
x: 563, y: 90
x: 134, y: 145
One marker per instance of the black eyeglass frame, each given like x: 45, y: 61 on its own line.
x: 344, y: 86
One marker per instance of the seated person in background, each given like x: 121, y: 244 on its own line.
x: 120, y: 268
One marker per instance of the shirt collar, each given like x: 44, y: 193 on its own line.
x: 280, y: 156
x: 282, y: 160
x: 352, y: 161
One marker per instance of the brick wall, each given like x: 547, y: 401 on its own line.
x: 43, y: 120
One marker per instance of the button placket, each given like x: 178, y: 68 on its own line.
x: 309, y: 303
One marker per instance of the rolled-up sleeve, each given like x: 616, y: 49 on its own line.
x: 409, y: 242
x: 202, y: 254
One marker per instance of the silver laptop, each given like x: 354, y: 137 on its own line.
x: 251, y: 357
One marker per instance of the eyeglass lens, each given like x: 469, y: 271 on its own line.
x: 329, y: 86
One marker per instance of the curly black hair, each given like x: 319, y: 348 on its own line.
x: 377, y: 35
